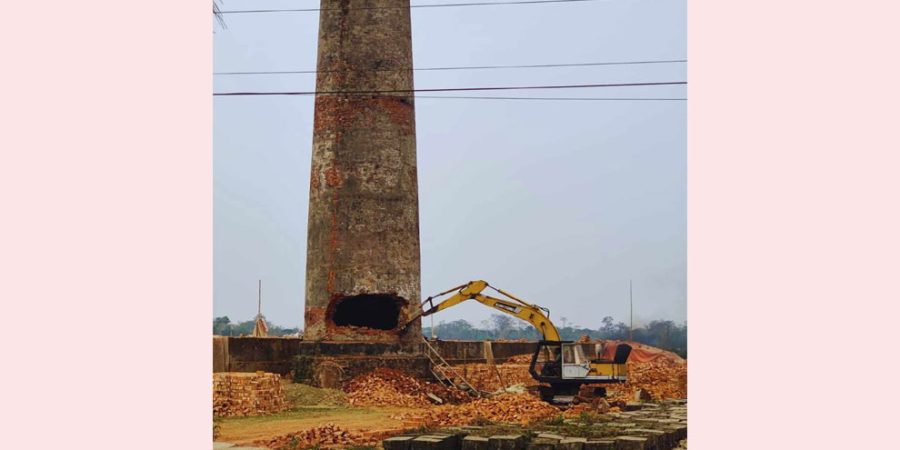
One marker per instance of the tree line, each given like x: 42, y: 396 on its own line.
x: 664, y: 334
x: 222, y: 326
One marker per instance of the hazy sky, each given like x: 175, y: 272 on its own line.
x: 558, y: 202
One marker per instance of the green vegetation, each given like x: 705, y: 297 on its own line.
x: 556, y: 421
x: 303, y: 369
x: 298, y: 395
x: 222, y: 326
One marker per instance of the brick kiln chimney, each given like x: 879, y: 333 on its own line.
x: 362, y: 266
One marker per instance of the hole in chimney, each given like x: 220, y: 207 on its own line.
x: 375, y: 311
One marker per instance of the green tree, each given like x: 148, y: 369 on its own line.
x: 222, y: 326
x: 502, y: 325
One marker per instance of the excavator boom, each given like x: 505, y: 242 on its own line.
x: 533, y: 314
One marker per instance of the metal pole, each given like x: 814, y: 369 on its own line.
x: 259, y: 299
x: 631, y: 312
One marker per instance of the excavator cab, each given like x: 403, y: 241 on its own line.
x: 564, y: 366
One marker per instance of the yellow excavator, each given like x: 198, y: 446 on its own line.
x: 561, y: 366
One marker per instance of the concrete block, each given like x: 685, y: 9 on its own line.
x: 613, y: 425
x: 680, y: 431
x: 454, y: 439
x: 673, y: 437
x: 631, y: 443
x: 599, y: 444
x: 646, y: 420
x: 665, y: 421
x: 506, y: 442
x: 656, y: 439
x: 397, y: 443
x: 572, y: 443
x: 474, y: 443
x: 551, y: 436
x: 542, y: 444
x: 431, y: 442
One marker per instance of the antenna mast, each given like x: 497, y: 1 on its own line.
x: 631, y: 312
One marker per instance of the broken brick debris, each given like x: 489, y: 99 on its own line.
x: 328, y: 436
x: 505, y: 408
x: 389, y: 387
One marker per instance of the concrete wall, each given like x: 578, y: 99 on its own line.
x: 249, y: 354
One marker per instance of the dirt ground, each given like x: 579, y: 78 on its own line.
x: 377, y: 406
x: 246, y: 430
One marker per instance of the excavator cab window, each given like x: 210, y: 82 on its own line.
x: 548, y: 361
x: 574, y: 364
x: 573, y: 354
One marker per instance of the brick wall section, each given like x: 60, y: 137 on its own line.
x: 249, y: 354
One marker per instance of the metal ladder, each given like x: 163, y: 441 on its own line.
x: 445, y: 373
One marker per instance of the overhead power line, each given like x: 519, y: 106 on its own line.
x: 492, y: 88
x: 512, y: 66
x: 432, y: 5
x: 556, y: 98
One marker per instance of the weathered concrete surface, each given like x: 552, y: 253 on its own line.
x: 277, y: 355
x: 474, y: 443
x: 397, y: 443
x: 506, y: 442
x: 363, y: 238
x: 614, y: 431
x: 599, y: 444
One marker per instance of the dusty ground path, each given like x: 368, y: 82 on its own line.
x: 246, y: 430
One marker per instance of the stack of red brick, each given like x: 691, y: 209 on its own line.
x: 247, y: 394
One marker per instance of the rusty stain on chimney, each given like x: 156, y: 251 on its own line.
x: 362, y: 269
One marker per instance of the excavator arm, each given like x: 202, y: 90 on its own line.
x: 563, y: 364
x: 533, y: 314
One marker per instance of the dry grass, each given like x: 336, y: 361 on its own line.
x: 298, y: 395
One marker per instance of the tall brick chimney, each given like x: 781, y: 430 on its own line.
x: 362, y: 266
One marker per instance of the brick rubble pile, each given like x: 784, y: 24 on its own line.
x: 388, y: 387
x: 484, y: 376
x: 328, y: 436
x: 247, y: 394
x: 520, y: 359
x: 505, y: 408
x: 663, y: 379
